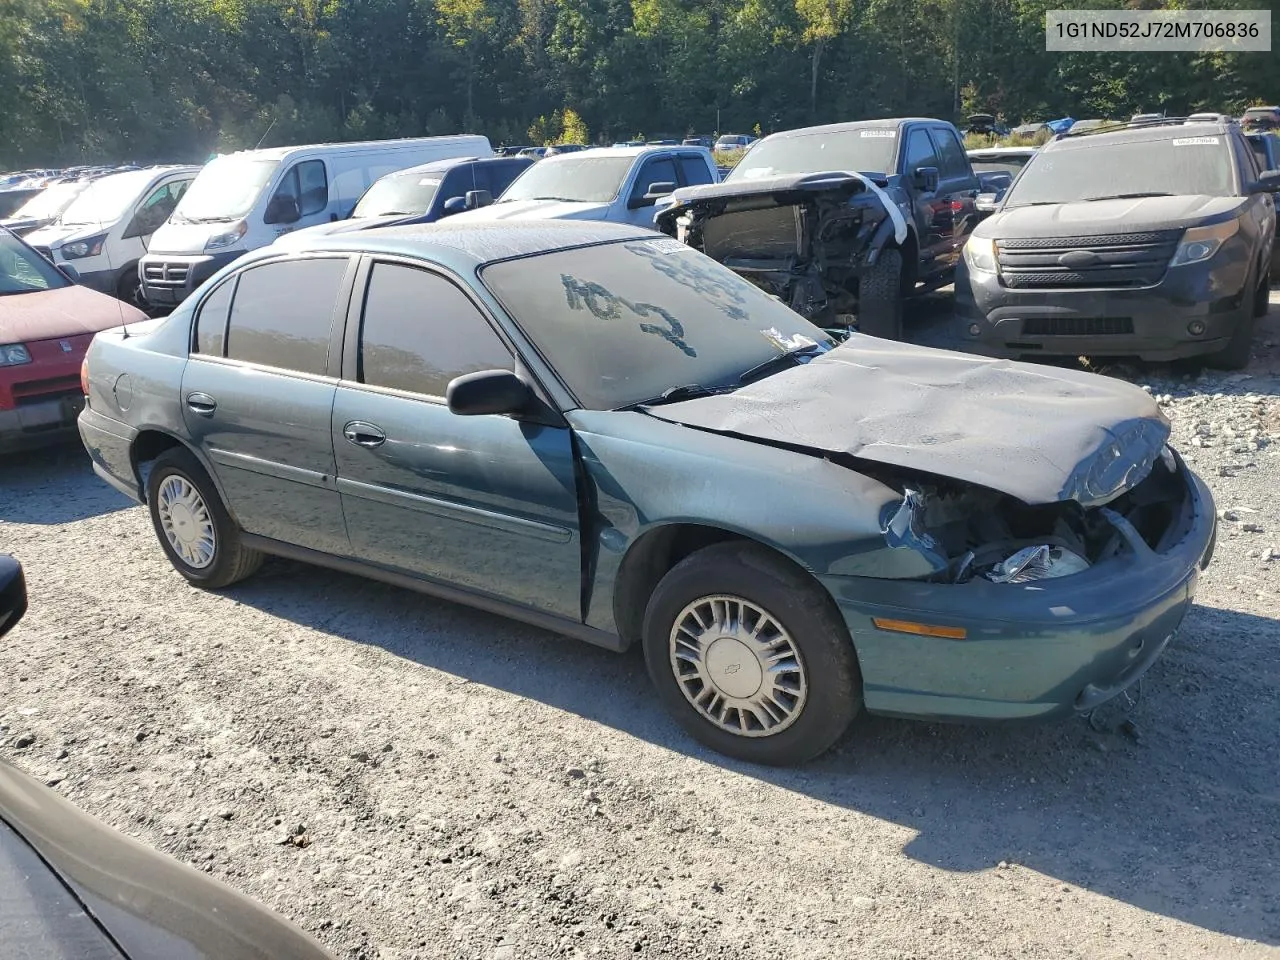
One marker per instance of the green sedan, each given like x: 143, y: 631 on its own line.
x: 603, y: 432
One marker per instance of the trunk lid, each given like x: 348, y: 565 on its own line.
x: 1040, y: 434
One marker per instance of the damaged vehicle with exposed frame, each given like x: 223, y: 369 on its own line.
x: 841, y: 222
x: 600, y: 431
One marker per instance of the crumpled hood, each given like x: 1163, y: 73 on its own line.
x: 1040, y: 434
x: 1108, y: 216
x: 536, y: 210
x: 64, y: 312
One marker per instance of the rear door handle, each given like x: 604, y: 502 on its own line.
x: 202, y: 404
x: 364, y: 434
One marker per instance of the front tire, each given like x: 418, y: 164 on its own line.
x: 193, y: 527
x: 1235, y: 355
x: 880, y: 296
x: 750, y: 656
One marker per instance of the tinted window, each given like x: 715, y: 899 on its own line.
x: 954, y: 162
x: 457, y: 182
x: 503, y: 174
x: 420, y: 331
x: 282, y: 314
x: 155, y: 209
x: 22, y: 270
x: 306, y: 183
x: 623, y: 322
x: 657, y: 170
x: 920, y: 152
x: 1177, y: 165
x: 695, y: 171
x: 211, y: 325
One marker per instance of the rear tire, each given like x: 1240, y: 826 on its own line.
x: 195, y: 530
x: 880, y: 294
x: 1235, y: 355
x: 751, y: 656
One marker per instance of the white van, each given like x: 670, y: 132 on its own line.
x: 245, y: 200
x: 104, y: 231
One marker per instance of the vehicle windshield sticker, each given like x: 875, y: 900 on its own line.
x: 880, y: 133
x: 1188, y: 141
x: 428, y: 182
x: 783, y: 342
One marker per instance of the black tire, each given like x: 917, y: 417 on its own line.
x: 230, y: 561
x: 825, y: 654
x: 880, y: 294
x: 129, y: 289
x: 1235, y: 355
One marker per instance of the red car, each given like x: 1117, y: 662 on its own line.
x: 46, y: 323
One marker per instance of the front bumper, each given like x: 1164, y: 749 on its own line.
x: 1036, y: 650
x: 42, y: 421
x: 1193, y: 311
x: 169, y: 278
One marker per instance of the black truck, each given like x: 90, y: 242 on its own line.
x: 841, y: 222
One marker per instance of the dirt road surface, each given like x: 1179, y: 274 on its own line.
x: 409, y: 779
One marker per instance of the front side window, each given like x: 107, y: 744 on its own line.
x: 157, y: 207
x: 420, y: 331
x: 305, y: 184
x: 657, y: 170
x: 283, y: 313
x: 920, y: 151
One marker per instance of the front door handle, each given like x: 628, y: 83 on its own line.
x: 202, y: 404
x: 364, y: 434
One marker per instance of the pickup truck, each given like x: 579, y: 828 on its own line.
x: 617, y: 184
x: 841, y: 222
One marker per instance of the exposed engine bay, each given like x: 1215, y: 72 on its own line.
x: 966, y: 531
x: 804, y: 240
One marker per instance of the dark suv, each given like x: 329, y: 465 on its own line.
x: 1153, y: 241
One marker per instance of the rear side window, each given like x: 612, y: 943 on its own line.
x: 920, y: 152
x: 456, y: 182
x: 695, y: 171
x: 283, y: 312
x: 502, y: 174
x: 420, y: 331
x: 211, y: 324
x: 953, y: 161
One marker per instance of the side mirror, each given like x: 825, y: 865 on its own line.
x: 478, y: 198
x: 487, y: 392
x: 68, y: 271
x: 283, y: 210
x: 925, y: 178
x: 656, y: 190
x: 13, y: 593
x: 1268, y: 182
x: 455, y: 205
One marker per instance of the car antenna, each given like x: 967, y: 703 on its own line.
x: 264, y: 135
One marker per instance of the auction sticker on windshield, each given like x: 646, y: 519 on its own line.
x: 880, y: 133
x: 1189, y: 141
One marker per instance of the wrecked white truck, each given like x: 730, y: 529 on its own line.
x: 840, y: 222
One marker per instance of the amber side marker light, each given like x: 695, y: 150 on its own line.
x: 84, y: 376
x: 920, y: 629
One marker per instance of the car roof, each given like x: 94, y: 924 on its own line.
x: 829, y: 128
x: 617, y: 152
x: 1143, y: 133
x: 470, y: 245
x: 1001, y: 151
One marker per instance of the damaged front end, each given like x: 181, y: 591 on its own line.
x: 960, y: 532
x: 804, y: 239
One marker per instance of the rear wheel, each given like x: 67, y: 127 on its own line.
x: 195, y: 531
x: 880, y: 290
x: 750, y: 656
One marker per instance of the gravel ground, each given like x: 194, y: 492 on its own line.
x: 410, y: 779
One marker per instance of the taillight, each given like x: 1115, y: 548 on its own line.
x: 84, y: 376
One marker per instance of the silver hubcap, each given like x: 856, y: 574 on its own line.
x: 186, y: 522
x: 737, y: 666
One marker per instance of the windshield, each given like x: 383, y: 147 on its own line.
x: 225, y: 189
x: 1178, y: 166
x: 867, y: 150
x: 22, y: 270
x: 398, y: 194
x: 107, y: 200
x: 49, y: 203
x: 625, y: 322
x: 1009, y: 165
x: 571, y: 177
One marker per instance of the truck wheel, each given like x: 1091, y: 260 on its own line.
x: 880, y: 296
x: 1235, y: 355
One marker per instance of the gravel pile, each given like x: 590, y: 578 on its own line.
x: 409, y: 779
